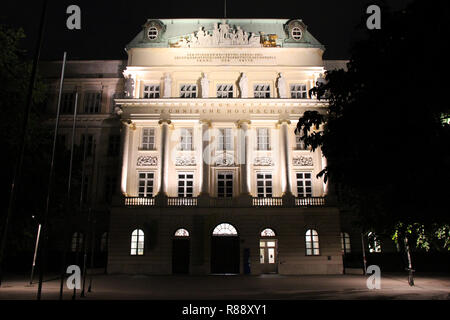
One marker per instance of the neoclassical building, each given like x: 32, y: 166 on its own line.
x: 196, y: 147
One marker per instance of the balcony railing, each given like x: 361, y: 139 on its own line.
x: 273, y: 202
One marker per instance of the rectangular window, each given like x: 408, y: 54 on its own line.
x: 261, y: 90
x: 224, y: 91
x: 304, y: 184
x: 89, y: 139
x: 151, y: 91
x: 186, y: 139
x: 185, y: 185
x: 262, y: 137
x: 67, y: 102
x: 224, y: 139
x: 113, y: 145
x: 146, y: 184
x: 110, y: 187
x: 264, y: 185
x: 298, y: 91
x: 92, y: 102
x: 188, y: 91
x: 299, y: 143
x: 148, y: 139
x: 85, y: 189
x: 225, y: 185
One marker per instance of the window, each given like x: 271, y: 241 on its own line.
x: 312, y: 243
x: 188, y: 91
x: 304, y: 184
x: 345, y: 242
x: 264, y: 185
x: 185, y: 185
x: 113, y: 145
x: 104, y: 242
x: 224, y: 139
x: 185, y: 139
x: 261, y: 91
x: 181, y: 233
x: 137, y: 243
x: 225, y: 229
x: 92, y: 102
x: 77, y: 242
x: 151, y: 91
x: 267, y: 233
x: 298, y: 91
x: 374, y: 243
x: 299, y: 143
x: 146, y: 184
x: 67, y: 102
x: 89, y: 138
x: 224, y: 91
x: 152, y: 33
x: 296, y: 33
x: 85, y: 189
x: 148, y: 139
x: 225, y: 185
x: 267, y: 251
x: 110, y: 187
x: 262, y: 139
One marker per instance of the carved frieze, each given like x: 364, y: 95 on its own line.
x: 185, y: 161
x: 263, y: 161
x: 303, y: 161
x: 147, y: 161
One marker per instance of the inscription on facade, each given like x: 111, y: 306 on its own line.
x: 227, y: 58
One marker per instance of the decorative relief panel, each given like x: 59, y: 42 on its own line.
x: 185, y: 161
x: 263, y: 161
x: 147, y: 161
x: 224, y: 160
x: 303, y: 161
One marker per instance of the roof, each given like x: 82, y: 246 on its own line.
x: 172, y: 30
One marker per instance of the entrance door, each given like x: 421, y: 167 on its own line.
x: 180, y: 256
x: 225, y: 254
x: 268, y: 255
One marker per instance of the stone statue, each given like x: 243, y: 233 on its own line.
x: 243, y: 86
x: 205, y: 86
x: 167, y: 86
x: 254, y: 40
x: 129, y: 87
x: 282, y: 89
x: 216, y: 34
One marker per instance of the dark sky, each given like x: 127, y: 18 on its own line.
x: 107, y: 26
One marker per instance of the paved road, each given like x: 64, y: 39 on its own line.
x: 137, y: 287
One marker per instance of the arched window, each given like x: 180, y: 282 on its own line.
x: 345, y: 242
x: 374, y: 243
x: 137, y: 243
x: 225, y: 229
x: 77, y: 242
x: 152, y: 33
x: 312, y: 243
x: 296, y: 33
x: 104, y: 242
x: 181, y: 233
x: 267, y: 233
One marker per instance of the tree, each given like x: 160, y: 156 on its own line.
x: 386, y: 135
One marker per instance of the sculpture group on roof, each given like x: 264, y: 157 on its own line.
x: 221, y: 35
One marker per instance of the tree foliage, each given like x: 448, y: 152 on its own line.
x: 385, y: 138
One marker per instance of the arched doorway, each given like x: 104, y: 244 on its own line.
x: 180, y: 252
x: 224, y: 249
x: 268, y: 251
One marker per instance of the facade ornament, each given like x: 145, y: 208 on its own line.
x: 205, y: 86
x: 185, y: 161
x: 147, y: 161
x: 263, y: 161
x: 282, y: 87
x: 302, y: 161
x: 167, y: 86
x: 243, y: 86
x: 224, y: 160
x: 129, y: 87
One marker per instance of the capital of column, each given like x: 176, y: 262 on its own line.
x: 164, y: 121
x: 129, y: 124
x: 208, y: 122
x: 241, y: 123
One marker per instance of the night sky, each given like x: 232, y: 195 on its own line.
x: 107, y: 26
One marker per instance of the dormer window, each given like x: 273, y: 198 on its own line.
x: 151, y: 91
x: 152, y: 33
x: 296, y: 33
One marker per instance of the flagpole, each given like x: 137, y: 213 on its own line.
x: 21, y: 152
x: 43, y: 255
x: 66, y: 236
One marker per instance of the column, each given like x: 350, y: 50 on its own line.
x: 286, y: 161
x: 164, y: 156
x: 125, y: 152
x: 244, y: 160
x: 205, y: 157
